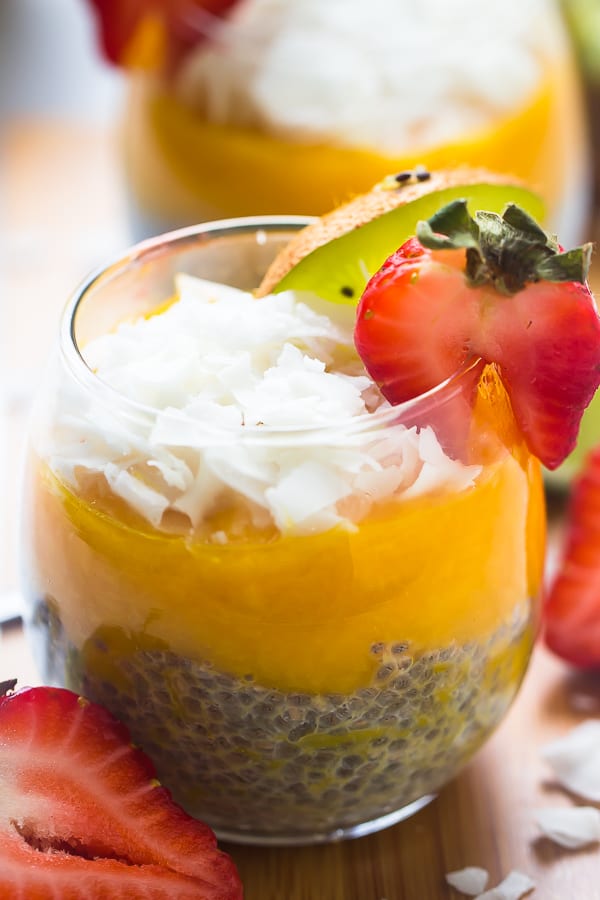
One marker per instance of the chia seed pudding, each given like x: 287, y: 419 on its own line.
x: 297, y: 763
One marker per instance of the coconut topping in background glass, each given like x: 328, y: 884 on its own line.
x: 358, y: 62
x: 216, y: 367
x: 270, y: 107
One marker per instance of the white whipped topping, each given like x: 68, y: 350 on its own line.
x: 391, y: 75
x: 256, y: 403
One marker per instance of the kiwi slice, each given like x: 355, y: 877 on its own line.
x: 336, y: 255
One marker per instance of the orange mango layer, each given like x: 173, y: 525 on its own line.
x: 299, y: 613
x: 184, y: 169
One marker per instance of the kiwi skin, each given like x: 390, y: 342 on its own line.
x: 310, y: 262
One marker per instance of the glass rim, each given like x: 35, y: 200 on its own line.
x: 86, y: 378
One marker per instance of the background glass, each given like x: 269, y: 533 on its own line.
x: 249, y: 122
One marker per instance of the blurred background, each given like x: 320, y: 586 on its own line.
x: 121, y: 118
x: 49, y: 64
x: 61, y: 212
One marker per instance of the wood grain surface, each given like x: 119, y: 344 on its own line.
x: 64, y: 211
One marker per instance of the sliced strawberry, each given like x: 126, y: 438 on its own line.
x: 494, y: 288
x: 155, y: 33
x: 82, y: 817
x: 572, y: 610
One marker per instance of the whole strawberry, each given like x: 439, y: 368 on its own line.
x: 490, y: 287
x: 572, y: 609
x: 82, y: 816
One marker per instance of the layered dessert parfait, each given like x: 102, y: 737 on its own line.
x: 310, y: 603
x: 273, y: 106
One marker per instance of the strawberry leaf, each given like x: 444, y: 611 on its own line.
x: 571, y: 265
x: 521, y: 221
x: 449, y: 228
x: 508, y: 251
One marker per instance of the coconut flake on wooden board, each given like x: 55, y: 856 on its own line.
x: 575, y: 759
x: 513, y: 887
x: 571, y: 827
x: 471, y: 880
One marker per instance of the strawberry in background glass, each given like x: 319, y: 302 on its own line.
x: 155, y: 34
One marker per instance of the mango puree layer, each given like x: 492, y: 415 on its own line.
x: 183, y: 168
x: 298, y: 613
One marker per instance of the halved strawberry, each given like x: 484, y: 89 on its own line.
x: 82, y: 817
x: 492, y: 287
x: 155, y: 33
x: 572, y: 609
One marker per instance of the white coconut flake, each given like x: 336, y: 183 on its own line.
x: 256, y: 402
x: 306, y: 490
x: 513, y: 887
x: 201, y: 497
x: 143, y: 499
x: 575, y: 759
x: 471, y: 880
x: 437, y: 471
x: 174, y: 471
x: 571, y: 827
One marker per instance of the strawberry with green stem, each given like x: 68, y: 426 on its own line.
x: 490, y: 287
x: 82, y: 816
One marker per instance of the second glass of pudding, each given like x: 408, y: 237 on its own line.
x: 309, y: 607
x: 302, y: 105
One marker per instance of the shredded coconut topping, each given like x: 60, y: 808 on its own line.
x: 261, y: 404
x: 575, y: 759
x: 391, y: 75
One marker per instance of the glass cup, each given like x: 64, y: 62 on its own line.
x: 292, y: 685
x: 243, y: 125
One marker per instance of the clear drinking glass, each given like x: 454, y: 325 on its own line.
x: 290, y: 688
